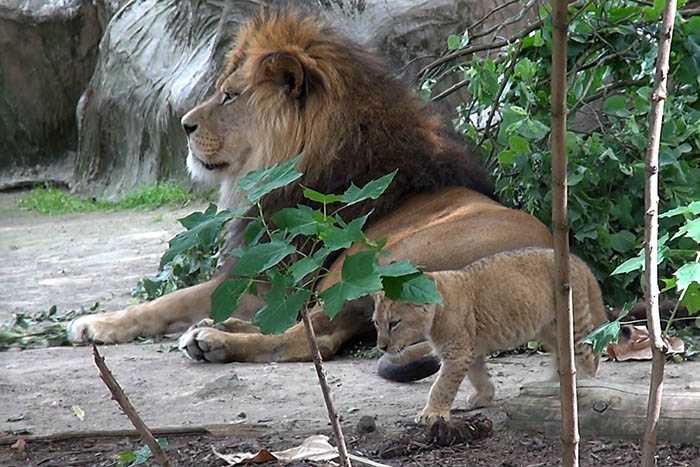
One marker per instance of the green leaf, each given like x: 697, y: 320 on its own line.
x: 412, y: 288
x: 306, y: 266
x: 603, y: 335
x: 622, y: 241
x: 690, y: 229
x: 258, y: 183
x: 227, y: 297
x: 525, y: 69
x: 142, y: 455
x: 533, y: 40
x: 519, y: 145
x: 204, y: 229
x: 259, y: 258
x: 616, y: 105
x: 337, y: 238
x: 373, y: 189
x: 319, y: 197
x: 281, y: 309
x: 126, y: 457
x: 296, y: 221
x: 397, y: 268
x: 686, y: 275
x: 454, y: 41
x: 359, y: 277
x: 253, y: 232
x: 193, y: 220
x: 531, y: 129
x: 691, y: 298
x: 637, y: 263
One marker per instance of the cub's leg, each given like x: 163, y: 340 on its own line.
x: 548, y: 337
x: 481, y: 381
x: 442, y: 394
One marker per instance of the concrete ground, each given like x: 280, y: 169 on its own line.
x: 75, y: 260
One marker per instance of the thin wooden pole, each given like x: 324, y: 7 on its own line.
x: 651, y: 230
x: 129, y: 410
x: 325, y: 389
x: 562, y: 288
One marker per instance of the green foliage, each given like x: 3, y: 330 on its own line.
x: 48, y: 200
x: 605, y: 334
x: 273, y: 261
x: 611, y: 56
x: 192, y: 257
x: 36, y: 330
x: 140, y: 456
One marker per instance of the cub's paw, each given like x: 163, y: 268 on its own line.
x: 479, y: 401
x: 101, y: 328
x: 204, y: 344
x: 431, y: 417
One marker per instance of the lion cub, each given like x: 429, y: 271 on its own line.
x: 495, y: 303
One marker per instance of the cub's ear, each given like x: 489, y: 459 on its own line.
x: 282, y: 69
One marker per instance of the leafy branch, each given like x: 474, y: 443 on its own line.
x: 274, y: 260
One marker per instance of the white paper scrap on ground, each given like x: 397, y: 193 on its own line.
x: 315, y: 448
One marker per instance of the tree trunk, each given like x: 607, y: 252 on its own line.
x: 651, y: 230
x: 562, y: 288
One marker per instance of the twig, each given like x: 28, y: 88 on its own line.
x: 562, y: 287
x: 501, y: 24
x: 123, y: 401
x: 504, y: 84
x: 651, y: 232
x: 479, y: 48
x: 217, y: 430
x: 490, y: 13
x: 325, y: 389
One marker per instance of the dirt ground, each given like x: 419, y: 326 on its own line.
x: 76, y: 260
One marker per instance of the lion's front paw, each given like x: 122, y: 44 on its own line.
x: 97, y: 328
x: 204, y: 344
x: 430, y: 417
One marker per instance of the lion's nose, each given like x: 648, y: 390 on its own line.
x: 189, y: 129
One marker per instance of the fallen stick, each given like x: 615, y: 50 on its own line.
x: 123, y: 401
x: 216, y: 430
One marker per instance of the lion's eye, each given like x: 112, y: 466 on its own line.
x: 393, y: 324
x: 229, y: 96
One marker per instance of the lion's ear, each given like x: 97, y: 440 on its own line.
x: 281, y: 69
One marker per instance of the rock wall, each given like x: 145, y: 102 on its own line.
x: 49, y: 50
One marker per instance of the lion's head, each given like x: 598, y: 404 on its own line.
x: 292, y: 85
x: 400, y: 325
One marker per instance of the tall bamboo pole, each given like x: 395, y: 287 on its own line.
x: 562, y: 288
x: 651, y: 230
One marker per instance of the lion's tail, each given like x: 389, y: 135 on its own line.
x: 590, y: 315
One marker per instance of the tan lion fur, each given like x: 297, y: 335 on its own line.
x: 496, y: 303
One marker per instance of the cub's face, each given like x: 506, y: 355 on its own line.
x: 220, y: 132
x: 400, y: 325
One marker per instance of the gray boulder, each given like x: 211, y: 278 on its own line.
x: 49, y: 50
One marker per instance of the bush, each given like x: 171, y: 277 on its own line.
x: 612, y: 53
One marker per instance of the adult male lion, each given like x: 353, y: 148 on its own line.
x: 292, y: 85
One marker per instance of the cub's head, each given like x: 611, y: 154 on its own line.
x: 400, y: 325
x: 278, y: 93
